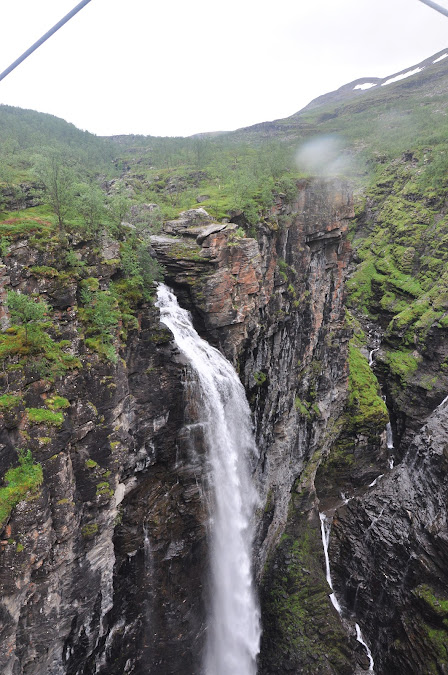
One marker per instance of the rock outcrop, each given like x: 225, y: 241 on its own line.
x: 102, y: 570
x: 395, y: 537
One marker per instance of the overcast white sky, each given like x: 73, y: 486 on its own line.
x: 179, y: 67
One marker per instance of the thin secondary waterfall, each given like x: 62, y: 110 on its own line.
x: 233, y: 630
x: 325, y: 528
x: 371, y: 353
x: 389, y: 435
x: 390, y: 443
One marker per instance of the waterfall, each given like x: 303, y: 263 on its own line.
x: 443, y: 403
x: 233, y: 625
x: 389, y: 437
x: 325, y: 528
x: 375, y: 480
x: 361, y: 640
x: 371, y: 353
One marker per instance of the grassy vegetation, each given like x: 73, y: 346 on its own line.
x: 400, y: 237
x: 44, y: 416
x: 90, y: 530
x: 21, y: 482
x: 367, y: 410
x: 57, y: 403
x: 9, y: 401
x: 296, y: 600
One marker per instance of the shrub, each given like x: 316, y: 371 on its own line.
x: 20, y: 481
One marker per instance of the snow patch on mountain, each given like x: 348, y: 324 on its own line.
x: 402, y: 76
x: 365, y: 85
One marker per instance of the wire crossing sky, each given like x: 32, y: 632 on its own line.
x: 181, y: 68
x: 44, y: 38
x: 435, y: 6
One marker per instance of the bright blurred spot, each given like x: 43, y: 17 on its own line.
x: 323, y: 156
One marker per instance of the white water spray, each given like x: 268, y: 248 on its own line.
x: 233, y: 632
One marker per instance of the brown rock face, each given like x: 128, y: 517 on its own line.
x: 112, y: 580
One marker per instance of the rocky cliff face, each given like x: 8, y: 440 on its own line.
x: 395, y: 536
x: 388, y: 545
x: 103, y: 566
x: 103, y: 562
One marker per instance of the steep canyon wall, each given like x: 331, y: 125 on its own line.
x: 104, y: 566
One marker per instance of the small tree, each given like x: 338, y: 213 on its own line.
x: 90, y: 203
x: 102, y: 314
x: 24, y: 310
x: 119, y: 208
x: 147, y: 218
x: 58, y: 179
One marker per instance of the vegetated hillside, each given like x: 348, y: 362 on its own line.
x: 372, y: 125
x: 25, y: 134
x: 381, y: 119
x: 241, y: 172
x: 77, y: 227
x: 400, y: 282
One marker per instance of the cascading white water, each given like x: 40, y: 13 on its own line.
x: 375, y: 480
x: 443, y: 403
x: 325, y: 528
x: 233, y: 631
x: 361, y: 640
x: 371, y: 353
x: 389, y: 437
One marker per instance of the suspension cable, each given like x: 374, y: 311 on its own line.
x: 435, y: 6
x: 45, y: 37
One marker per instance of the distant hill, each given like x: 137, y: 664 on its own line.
x: 24, y: 133
x: 396, y: 109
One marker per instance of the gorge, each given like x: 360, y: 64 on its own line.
x: 223, y: 425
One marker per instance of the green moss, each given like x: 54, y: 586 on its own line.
x: 260, y: 378
x: 302, y: 407
x: 44, y: 416
x: 90, y: 530
x: 91, y: 464
x: 161, y: 336
x: 104, y: 488
x: 438, y: 641
x: 437, y: 604
x: 295, y: 601
x: 91, y: 283
x: 9, y: 401
x: 368, y: 412
x: 102, y: 348
x: 15, y: 228
x: 19, y: 548
x: 21, y: 482
x: 183, y: 251
x: 49, y: 272
x: 402, y: 363
x: 57, y: 403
